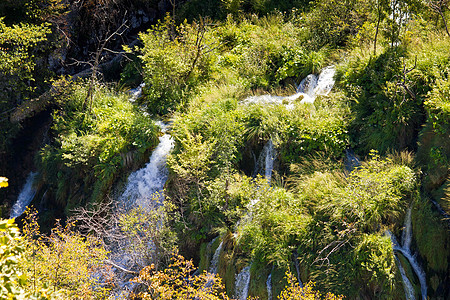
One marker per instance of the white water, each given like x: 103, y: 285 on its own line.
x: 405, y: 250
x: 269, y: 287
x: 144, y: 187
x: 241, y: 284
x: 213, y: 268
x: 144, y: 190
x: 407, y: 231
x: 265, y: 161
x: 136, y: 92
x: 407, y: 286
x: 25, y: 197
x: 309, y: 88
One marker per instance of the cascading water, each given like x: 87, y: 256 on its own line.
x: 25, y: 197
x: 145, y: 183
x: 213, y: 268
x: 407, y: 231
x: 405, y: 250
x: 265, y: 161
x: 307, y: 85
x: 144, y: 190
x: 309, y: 88
x: 407, y: 286
x: 242, y: 283
x: 269, y: 287
x: 136, y: 92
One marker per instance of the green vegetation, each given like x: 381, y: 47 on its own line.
x: 98, y: 136
x: 204, y: 65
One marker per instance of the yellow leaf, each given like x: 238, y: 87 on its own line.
x: 3, y: 182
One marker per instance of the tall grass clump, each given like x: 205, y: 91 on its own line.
x: 335, y: 224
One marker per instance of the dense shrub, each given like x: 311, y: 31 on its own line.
x: 92, y: 143
x: 176, y: 60
x: 335, y: 224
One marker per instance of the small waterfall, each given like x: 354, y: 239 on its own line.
x: 242, y: 283
x: 269, y: 287
x: 25, y: 197
x: 325, y: 82
x: 351, y: 161
x: 214, y: 266
x: 405, y: 250
x: 136, y: 92
x: 307, y: 85
x: 144, y: 190
x: 407, y: 286
x: 269, y: 159
x: 264, y: 164
x: 309, y: 88
x: 148, y: 182
x: 407, y: 231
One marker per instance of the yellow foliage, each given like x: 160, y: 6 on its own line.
x: 293, y: 291
x: 3, y: 182
x: 177, y: 282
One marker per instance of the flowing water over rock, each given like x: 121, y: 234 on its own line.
x: 407, y: 286
x: 264, y: 164
x: 269, y: 287
x: 25, y: 197
x: 136, y: 92
x: 146, y: 184
x: 242, y: 283
x: 144, y: 191
x: 308, y: 90
x: 405, y: 250
x: 213, y: 268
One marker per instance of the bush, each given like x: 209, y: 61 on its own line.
x: 335, y: 22
x: 92, y: 145
x: 175, y: 61
x: 386, y: 116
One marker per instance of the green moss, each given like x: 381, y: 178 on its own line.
x: 258, y: 279
x: 432, y: 236
x: 410, y: 274
x: 278, y: 280
x: 205, y: 252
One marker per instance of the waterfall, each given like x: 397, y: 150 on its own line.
x: 307, y: 85
x: 407, y: 286
x: 308, y: 89
x: 407, y: 231
x: 242, y: 283
x: 269, y: 159
x: 325, y: 82
x: 351, y: 161
x: 136, y: 92
x: 405, y: 250
x: 146, y: 184
x: 269, y: 287
x: 144, y: 190
x: 25, y: 197
x: 213, y: 268
x: 265, y: 161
